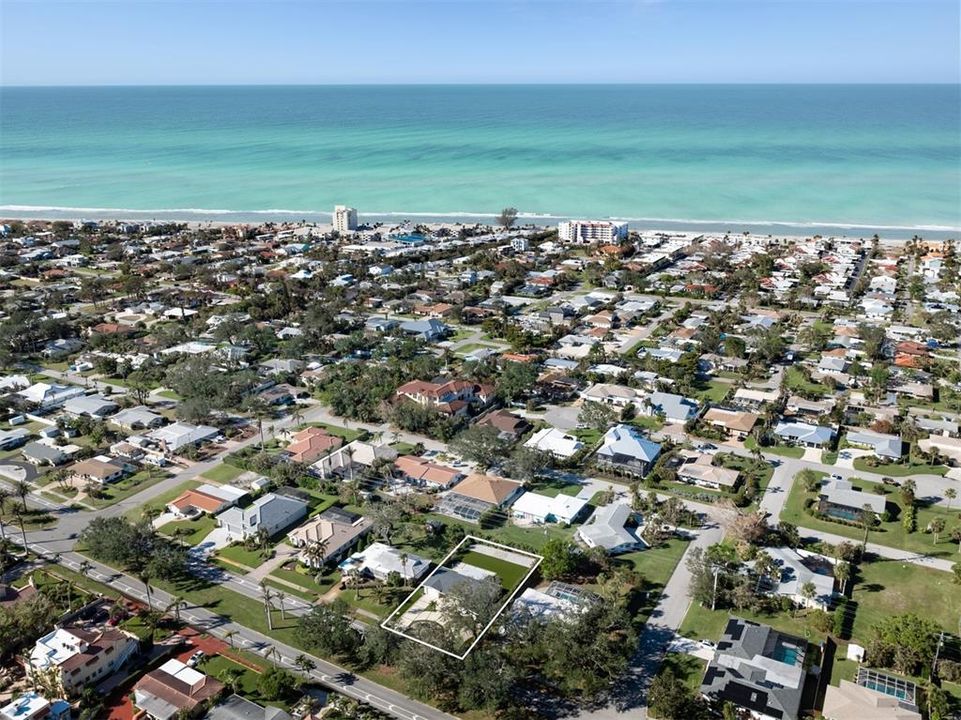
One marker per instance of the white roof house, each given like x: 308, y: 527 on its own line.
x: 556, y: 442
x: 841, y: 493
x: 380, y: 560
x: 50, y: 395
x: 541, y: 606
x: 795, y: 574
x: 607, y: 529
x: 180, y: 434
x: 882, y: 444
x: 90, y: 405
x: 543, y: 508
x: 137, y: 417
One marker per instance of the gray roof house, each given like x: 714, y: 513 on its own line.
x: 798, y: 433
x: 607, y: 529
x: 271, y: 512
x: 180, y: 434
x: 238, y: 708
x: 883, y: 445
x: 674, y: 408
x: 757, y: 668
x: 40, y: 454
x: 137, y: 418
x: 95, y: 406
x: 840, y: 499
x: 427, y: 330
x: 626, y: 449
x: 798, y: 568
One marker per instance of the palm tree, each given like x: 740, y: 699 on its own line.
x: 950, y: 494
x: 5, y: 496
x: 19, y: 510
x: 956, y: 536
x: 315, y: 552
x: 143, y: 574
x: 229, y: 637
x: 867, y: 519
x: 281, y: 596
x: 842, y: 571
x: 21, y: 489
x: 231, y: 677
x: 268, y: 595
x: 937, y: 527
x: 304, y: 664
x: 85, y: 567
x: 403, y: 563
x: 176, y: 605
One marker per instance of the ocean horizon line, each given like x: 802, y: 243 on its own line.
x: 218, y: 215
x: 538, y: 83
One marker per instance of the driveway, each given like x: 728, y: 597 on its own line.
x: 17, y: 471
x: 847, y: 456
x: 214, y: 541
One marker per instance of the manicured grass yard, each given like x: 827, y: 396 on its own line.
x: 899, y: 470
x: 509, y: 573
x: 715, y: 391
x: 217, y: 666
x: 889, y: 587
x: 890, y: 533
x: 223, y: 473
x: 471, y: 347
x: 305, y: 580
x: 348, y: 434
x: 122, y: 489
x: 239, y: 554
x: 160, y: 502
x: 795, y: 381
x: 200, y: 528
x: 702, y: 623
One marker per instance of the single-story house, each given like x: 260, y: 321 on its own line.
x: 797, y: 568
x: 850, y: 701
x: 271, y: 512
x: 752, y: 398
x: 478, y: 494
x: 736, y: 423
x: 39, y: 454
x: 173, y: 438
x: 378, y: 561
x: 625, y: 449
x: 839, y: 498
x: 539, y: 508
x: 702, y: 473
x: 509, y: 425
x: 800, y: 433
x: 352, y: 455
x: 420, y: 471
x: 673, y: 408
x: 617, y: 395
x: 10, y: 439
x: 98, y: 469
x: 445, y: 579
x: 311, y: 444
x: 555, y: 442
x: 948, y: 447
x: 206, y: 499
x: 95, y: 406
x: 883, y: 445
x: 238, y: 708
x: 608, y: 529
x: 138, y: 418
x: 46, y: 396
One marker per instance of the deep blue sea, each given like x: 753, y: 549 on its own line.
x: 850, y: 159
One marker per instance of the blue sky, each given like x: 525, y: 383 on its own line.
x: 461, y: 41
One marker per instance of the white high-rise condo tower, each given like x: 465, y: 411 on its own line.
x: 592, y: 231
x: 345, y: 219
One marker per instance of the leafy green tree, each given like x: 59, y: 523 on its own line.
x: 276, y: 683
x: 560, y: 559
x: 515, y: 380
x: 481, y: 444
x: 326, y: 629
x: 597, y: 415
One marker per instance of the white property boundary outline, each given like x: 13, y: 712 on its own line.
x: 443, y: 563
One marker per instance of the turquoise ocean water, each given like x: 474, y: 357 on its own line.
x: 850, y: 159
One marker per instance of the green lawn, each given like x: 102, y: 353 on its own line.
x: 509, y: 573
x: 889, y: 587
x: 403, y: 448
x: 239, y: 554
x: 715, y: 391
x: 899, y: 469
x: 348, y: 434
x: 122, y: 489
x: 305, y: 580
x: 702, y: 623
x: 889, y: 533
x: 525, y: 538
x: 160, y: 502
x: 200, y: 528
x: 218, y: 665
x: 472, y: 346
x: 287, y: 590
x: 687, y: 668
x: 589, y: 436
x: 795, y: 381
x: 223, y: 473
x: 651, y: 423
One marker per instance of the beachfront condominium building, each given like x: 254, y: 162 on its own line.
x: 345, y: 219
x: 587, y: 232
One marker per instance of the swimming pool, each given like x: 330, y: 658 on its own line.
x: 787, y: 654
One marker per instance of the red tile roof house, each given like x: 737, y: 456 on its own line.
x: 418, y: 471
x: 452, y: 397
x: 174, y: 690
x: 311, y: 444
